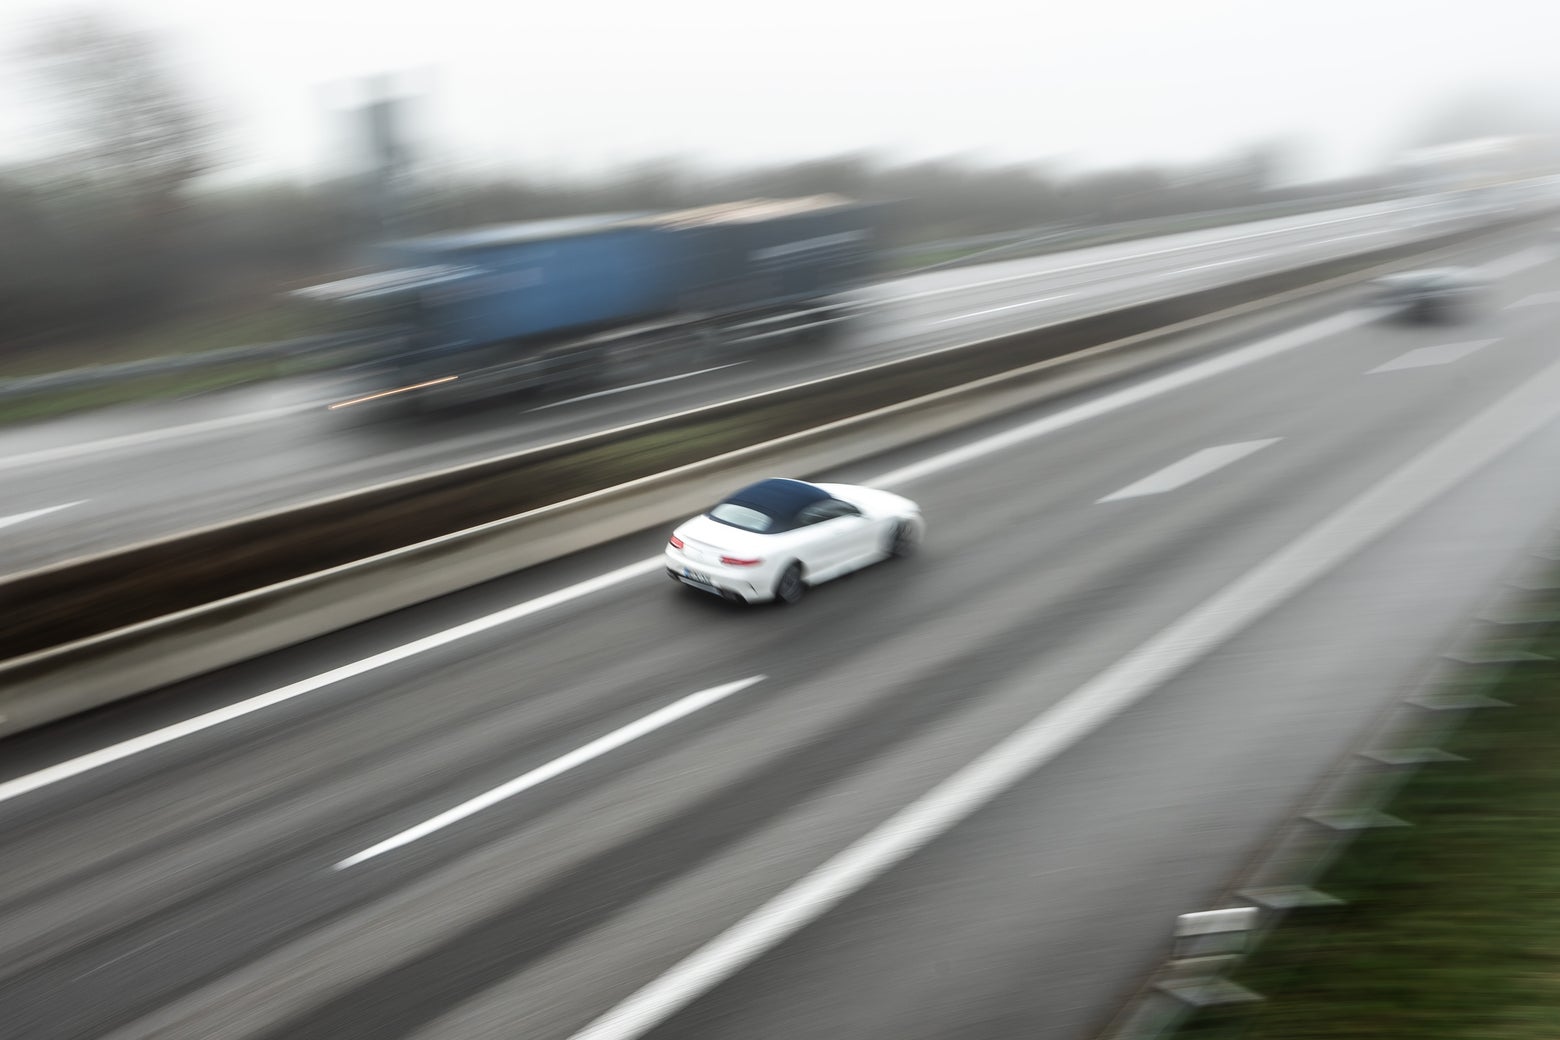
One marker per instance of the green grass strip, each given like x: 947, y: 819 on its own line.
x: 1450, y: 927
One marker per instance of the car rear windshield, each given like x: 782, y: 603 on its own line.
x: 743, y: 517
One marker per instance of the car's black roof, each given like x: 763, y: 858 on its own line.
x: 778, y: 497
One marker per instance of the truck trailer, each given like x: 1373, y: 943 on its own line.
x: 560, y: 303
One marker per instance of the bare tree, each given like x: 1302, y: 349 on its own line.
x: 129, y: 125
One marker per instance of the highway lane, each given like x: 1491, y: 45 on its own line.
x: 193, y: 889
x: 149, y: 475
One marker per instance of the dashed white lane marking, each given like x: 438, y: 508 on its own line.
x: 1132, y: 678
x: 635, y: 386
x: 557, y: 767
x: 947, y: 460
x: 1005, y: 307
x: 1196, y: 465
x: 1423, y: 357
x: 959, y: 456
x: 21, y: 518
x: 1534, y: 300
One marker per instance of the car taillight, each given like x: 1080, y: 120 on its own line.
x: 737, y: 561
x: 677, y: 543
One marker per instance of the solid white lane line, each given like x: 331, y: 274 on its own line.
x: 1526, y: 411
x: 634, y: 386
x: 1198, y: 464
x: 926, y: 467
x: 157, y: 738
x: 19, y: 518
x: 1534, y: 300
x: 1005, y: 307
x: 558, y: 766
x: 1116, y: 400
x: 1102, y: 405
x: 1423, y: 357
x: 130, y: 440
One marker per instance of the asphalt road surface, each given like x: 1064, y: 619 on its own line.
x: 963, y: 794
x: 113, y: 478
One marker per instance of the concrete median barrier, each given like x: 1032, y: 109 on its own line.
x: 109, y: 627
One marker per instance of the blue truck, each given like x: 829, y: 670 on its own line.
x: 560, y: 303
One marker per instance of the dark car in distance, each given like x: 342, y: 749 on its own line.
x: 1432, y: 295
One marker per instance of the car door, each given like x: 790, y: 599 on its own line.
x: 837, y: 536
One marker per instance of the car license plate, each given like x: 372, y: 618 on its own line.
x: 702, y: 579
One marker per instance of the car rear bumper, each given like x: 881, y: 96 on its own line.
x: 719, y: 581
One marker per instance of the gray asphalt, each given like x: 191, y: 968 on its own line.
x: 122, y: 476
x: 191, y: 890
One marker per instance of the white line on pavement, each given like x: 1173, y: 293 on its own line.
x: 177, y: 731
x: 1105, y: 404
x: 1520, y: 414
x: 1116, y: 400
x: 1005, y: 307
x: 1067, y: 417
x: 1198, y: 464
x: 1223, y: 263
x: 18, y: 518
x: 1423, y: 357
x: 1288, y: 229
x: 635, y: 386
x: 557, y: 767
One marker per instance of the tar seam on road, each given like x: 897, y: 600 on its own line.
x: 1514, y: 418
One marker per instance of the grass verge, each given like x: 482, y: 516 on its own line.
x: 1450, y: 928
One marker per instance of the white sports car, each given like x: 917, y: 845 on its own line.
x: 773, y: 539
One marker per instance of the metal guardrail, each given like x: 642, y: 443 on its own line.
x: 106, y: 666
x: 1280, y: 879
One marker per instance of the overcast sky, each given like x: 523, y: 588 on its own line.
x: 571, y: 87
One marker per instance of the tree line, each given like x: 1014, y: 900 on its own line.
x: 118, y: 230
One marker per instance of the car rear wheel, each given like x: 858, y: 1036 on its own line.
x: 790, y: 587
x: 901, y: 541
